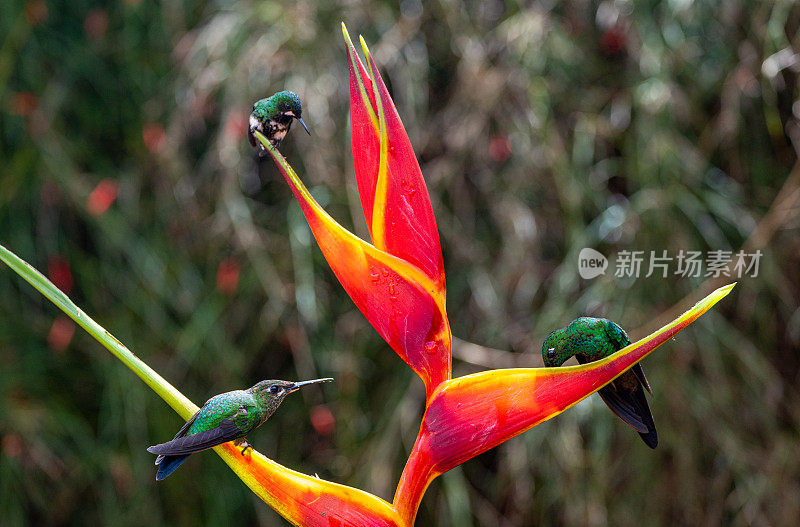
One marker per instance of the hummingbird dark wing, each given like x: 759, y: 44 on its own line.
x: 181, y: 433
x: 625, y: 397
x: 622, y: 405
x: 168, y: 464
x: 632, y: 408
x: 189, y: 444
x: 639, y: 372
x: 650, y: 437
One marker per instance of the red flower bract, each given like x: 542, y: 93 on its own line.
x: 398, y: 280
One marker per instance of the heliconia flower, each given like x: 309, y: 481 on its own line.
x: 398, y: 280
x: 398, y: 283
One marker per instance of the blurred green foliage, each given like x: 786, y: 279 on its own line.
x: 541, y: 128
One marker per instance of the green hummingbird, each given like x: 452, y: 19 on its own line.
x: 591, y: 339
x: 229, y: 416
x: 273, y: 118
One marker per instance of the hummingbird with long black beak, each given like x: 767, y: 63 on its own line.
x: 229, y: 416
x: 590, y: 339
x: 273, y: 117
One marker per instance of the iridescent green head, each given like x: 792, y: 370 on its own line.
x: 273, y: 116
x: 272, y: 392
x: 587, y: 338
x: 283, y: 103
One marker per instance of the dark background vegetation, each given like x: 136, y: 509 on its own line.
x: 541, y: 128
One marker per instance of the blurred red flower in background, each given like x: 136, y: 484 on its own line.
x: 102, y: 197
x: 228, y: 276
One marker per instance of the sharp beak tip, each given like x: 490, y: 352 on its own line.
x: 298, y: 385
x: 304, y: 125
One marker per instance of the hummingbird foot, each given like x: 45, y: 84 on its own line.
x: 246, y: 446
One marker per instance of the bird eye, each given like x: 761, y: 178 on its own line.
x: 551, y: 353
x: 274, y: 389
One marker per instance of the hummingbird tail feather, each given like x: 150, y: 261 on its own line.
x: 650, y: 437
x: 189, y: 444
x: 168, y: 465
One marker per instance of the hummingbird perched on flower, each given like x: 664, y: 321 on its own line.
x: 591, y: 339
x: 273, y: 118
x: 229, y: 416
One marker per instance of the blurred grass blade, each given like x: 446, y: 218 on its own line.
x: 183, y: 406
x: 301, y: 499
